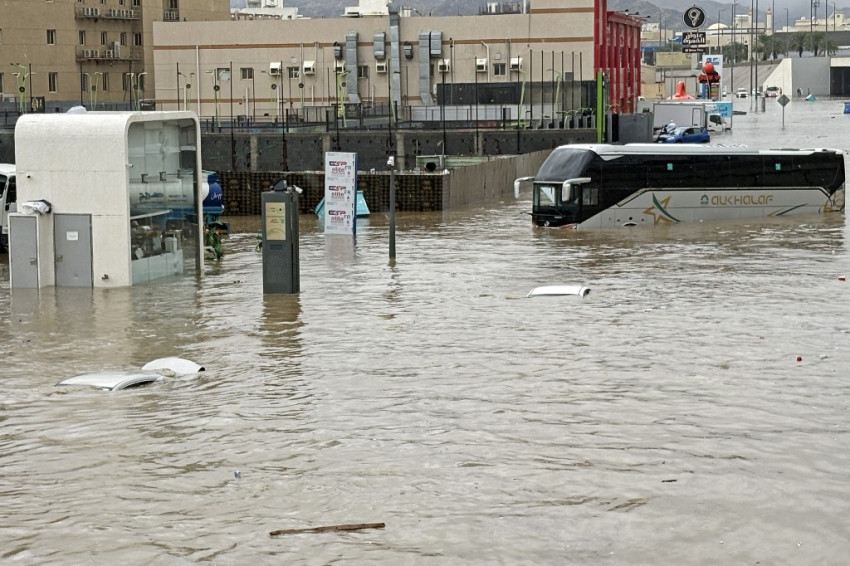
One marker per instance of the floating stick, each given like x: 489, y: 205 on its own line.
x: 328, y: 529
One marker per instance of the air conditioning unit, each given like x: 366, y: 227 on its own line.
x: 131, y: 14
x: 380, y: 67
x: 110, y: 54
x: 86, y: 53
x: 274, y: 68
x: 95, y: 53
x: 309, y: 67
x: 113, y: 12
x: 516, y: 64
x: 170, y: 16
x: 95, y: 12
x: 339, y: 67
x: 444, y: 66
x: 480, y: 65
x: 87, y: 11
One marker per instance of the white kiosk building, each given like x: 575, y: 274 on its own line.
x: 104, y: 198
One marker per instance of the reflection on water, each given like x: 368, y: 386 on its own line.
x: 664, y: 415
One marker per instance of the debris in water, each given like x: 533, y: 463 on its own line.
x: 328, y: 529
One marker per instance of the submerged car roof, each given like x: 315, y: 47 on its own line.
x: 7, y: 169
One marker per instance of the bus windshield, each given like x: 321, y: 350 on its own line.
x: 564, y: 163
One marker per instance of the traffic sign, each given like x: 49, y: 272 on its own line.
x: 783, y: 100
x: 694, y: 17
x: 693, y: 38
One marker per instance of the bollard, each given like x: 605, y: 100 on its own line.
x: 281, y: 272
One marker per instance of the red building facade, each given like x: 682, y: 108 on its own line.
x: 616, y: 52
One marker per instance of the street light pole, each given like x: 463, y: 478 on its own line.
x: 719, y: 29
x: 812, y: 13
x: 787, y: 31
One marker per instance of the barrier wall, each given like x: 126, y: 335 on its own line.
x: 416, y: 191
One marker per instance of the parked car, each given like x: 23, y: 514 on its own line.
x: 741, y: 93
x: 686, y: 134
x: 772, y: 91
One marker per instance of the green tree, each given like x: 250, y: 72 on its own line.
x: 800, y: 42
x: 734, y: 52
x: 823, y: 45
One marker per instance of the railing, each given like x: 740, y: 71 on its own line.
x: 97, y: 12
x: 104, y: 53
x: 376, y: 117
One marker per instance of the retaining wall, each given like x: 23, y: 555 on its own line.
x: 416, y: 191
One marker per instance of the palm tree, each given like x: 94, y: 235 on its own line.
x: 734, y: 52
x: 799, y: 42
x: 766, y: 45
x: 823, y: 45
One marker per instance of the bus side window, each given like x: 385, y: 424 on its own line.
x: 10, y: 193
x: 590, y: 197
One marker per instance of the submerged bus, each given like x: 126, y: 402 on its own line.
x: 602, y: 186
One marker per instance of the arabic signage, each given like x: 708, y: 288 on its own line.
x: 693, y: 38
x: 340, y: 192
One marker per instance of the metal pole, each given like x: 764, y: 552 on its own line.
x: 756, y: 61
x: 391, y: 163
x: 443, y: 109
x: 734, y: 54
x: 232, y: 138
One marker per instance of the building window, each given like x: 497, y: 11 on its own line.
x: 103, y: 38
x: 82, y: 37
x: 363, y: 71
x: 52, y: 82
x: 123, y: 38
x: 222, y: 74
x: 137, y: 40
x: 172, y: 4
x: 105, y: 82
x: 120, y: 2
x: 51, y: 37
x: 293, y: 72
x: 247, y: 72
x: 125, y: 81
x: 137, y: 3
x: 499, y: 69
x: 84, y: 82
x: 1, y: 82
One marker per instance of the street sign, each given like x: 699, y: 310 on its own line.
x: 783, y: 100
x: 693, y: 38
x: 694, y: 17
x: 693, y: 49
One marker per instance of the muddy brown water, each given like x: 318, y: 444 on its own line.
x: 662, y: 419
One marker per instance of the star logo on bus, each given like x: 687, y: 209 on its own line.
x: 659, y: 213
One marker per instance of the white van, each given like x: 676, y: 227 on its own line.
x: 8, y: 194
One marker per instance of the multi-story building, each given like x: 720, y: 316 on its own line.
x: 95, y: 52
x: 270, y: 67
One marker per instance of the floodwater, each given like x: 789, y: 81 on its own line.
x: 663, y: 419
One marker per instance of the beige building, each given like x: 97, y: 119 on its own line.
x: 94, y: 52
x: 265, y: 68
